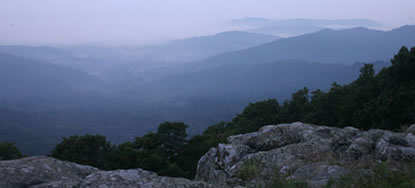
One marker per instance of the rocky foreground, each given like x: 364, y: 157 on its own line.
x: 301, y: 152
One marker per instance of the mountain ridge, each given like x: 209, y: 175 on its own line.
x: 349, y: 46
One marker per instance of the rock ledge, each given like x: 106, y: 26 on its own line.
x: 46, y: 172
x: 307, y: 153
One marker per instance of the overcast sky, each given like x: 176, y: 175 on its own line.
x: 130, y: 22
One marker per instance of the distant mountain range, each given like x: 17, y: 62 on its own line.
x: 198, y: 48
x: 256, y: 21
x: 185, y: 50
x: 326, y: 46
x: 127, y: 63
x: 293, y: 27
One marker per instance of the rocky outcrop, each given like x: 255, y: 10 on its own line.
x: 42, y: 172
x: 301, y: 152
x: 297, y: 152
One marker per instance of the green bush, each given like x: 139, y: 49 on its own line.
x: 9, y: 151
x: 92, y: 150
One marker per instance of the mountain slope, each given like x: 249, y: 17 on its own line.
x: 250, y: 82
x: 225, y: 41
x: 198, y: 48
x: 26, y: 77
x: 326, y: 46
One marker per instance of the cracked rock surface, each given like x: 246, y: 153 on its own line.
x: 307, y: 153
x: 46, y: 172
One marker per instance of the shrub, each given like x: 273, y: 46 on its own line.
x: 9, y: 151
x: 91, y: 150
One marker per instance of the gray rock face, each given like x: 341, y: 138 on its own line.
x: 303, y: 152
x: 136, y: 178
x: 42, y: 172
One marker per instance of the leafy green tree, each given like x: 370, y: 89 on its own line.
x: 146, y: 153
x: 256, y: 115
x: 9, y: 151
x: 297, y: 108
x: 367, y: 74
x: 395, y: 104
x: 172, y: 136
x: 218, y: 133
x: 92, y: 150
x: 403, y: 64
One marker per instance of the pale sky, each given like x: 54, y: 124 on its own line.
x: 132, y: 22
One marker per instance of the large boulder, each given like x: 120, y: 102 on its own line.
x: 46, y: 172
x: 37, y: 172
x: 301, y: 152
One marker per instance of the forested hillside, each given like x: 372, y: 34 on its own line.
x: 27, y: 77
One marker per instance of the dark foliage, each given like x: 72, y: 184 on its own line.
x: 9, y: 151
x: 385, y: 100
x: 92, y: 150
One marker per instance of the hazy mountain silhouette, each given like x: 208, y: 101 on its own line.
x: 108, y: 62
x: 26, y: 77
x: 292, y: 27
x: 256, y: 21
x: 326, y: 46
x: 196, y: 48
x: 221, y: 42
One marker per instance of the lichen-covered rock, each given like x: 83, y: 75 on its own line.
x: 217, y: 167
x: 46, y: 172
x: 37, y: 172
x: 395, y: 146
x: 317, y: 174
x: 136, y: 178
x: 303, y: 152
